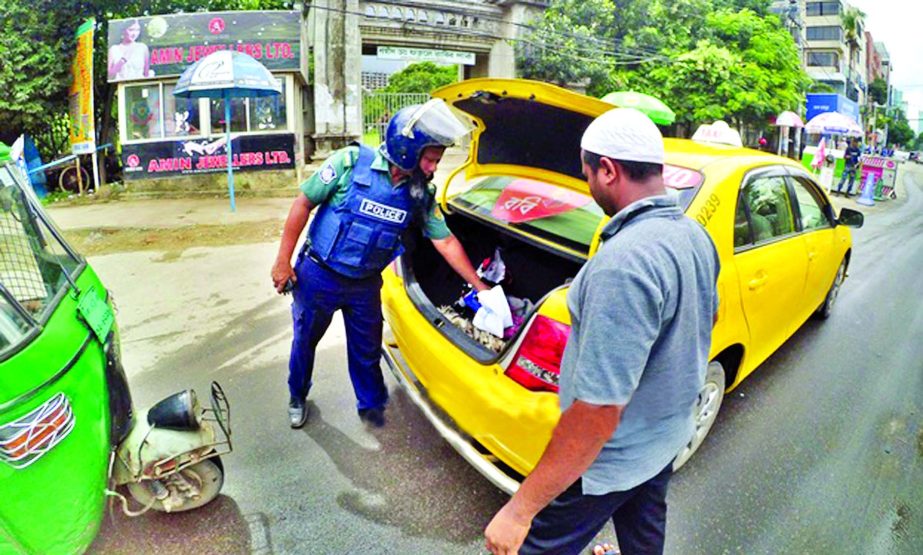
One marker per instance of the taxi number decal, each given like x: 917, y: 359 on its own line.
x: 707, y: 211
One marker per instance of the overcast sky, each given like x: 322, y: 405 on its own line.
x: 899, y: 24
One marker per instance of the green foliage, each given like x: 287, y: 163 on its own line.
x: 821, y: 87
x: 852, y: 19
x: 747, y: 71
x: 899, y: 131
x: 878, y: 90
x: 918, y: 142
x: 706, y: 59
x: 422, y: 77
x: 35, y: 47
x: 557, y: 51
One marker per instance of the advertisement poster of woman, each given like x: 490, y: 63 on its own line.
x: 129, y: 59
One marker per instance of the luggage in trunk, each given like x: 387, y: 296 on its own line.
x: 532, y: 270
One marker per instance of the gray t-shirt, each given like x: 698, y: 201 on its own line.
x: 642, y: 312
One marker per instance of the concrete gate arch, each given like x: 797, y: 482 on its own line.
x: 340, y: 31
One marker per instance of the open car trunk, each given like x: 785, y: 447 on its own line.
x: 532, y: 270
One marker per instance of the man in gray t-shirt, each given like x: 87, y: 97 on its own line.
x: 642, y: 311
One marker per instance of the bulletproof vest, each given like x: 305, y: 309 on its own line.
x: 360, y: 236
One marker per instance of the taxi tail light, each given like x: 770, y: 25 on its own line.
x: 537, y: 364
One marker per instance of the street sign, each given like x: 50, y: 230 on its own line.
x: 426, y: 55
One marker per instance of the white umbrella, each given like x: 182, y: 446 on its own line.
x: 789, y: 119
x: 834, y: 123
x: 785, y: 120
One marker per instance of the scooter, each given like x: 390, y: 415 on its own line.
x: 69, y: 436
x: 171, y: 459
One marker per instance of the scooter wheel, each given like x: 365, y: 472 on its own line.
x: 206, y: 476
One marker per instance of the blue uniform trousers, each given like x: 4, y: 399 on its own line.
x: 572, y: 520
x: 319, y: 293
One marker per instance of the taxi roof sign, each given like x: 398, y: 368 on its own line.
x: 717, y: 133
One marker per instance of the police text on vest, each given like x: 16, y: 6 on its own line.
x: 382, y: 211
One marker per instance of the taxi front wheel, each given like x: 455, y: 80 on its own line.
x: 704, y: 412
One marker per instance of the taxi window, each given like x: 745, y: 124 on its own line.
x: 812, y: 210
x: 741, y: 225
x: 770, y: 208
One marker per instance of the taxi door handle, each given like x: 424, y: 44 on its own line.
x: 758, y: 282
x: 811, y: 256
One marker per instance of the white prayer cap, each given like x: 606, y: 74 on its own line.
x: 624, y: 134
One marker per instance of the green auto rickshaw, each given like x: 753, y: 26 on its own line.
x: 68, y: 433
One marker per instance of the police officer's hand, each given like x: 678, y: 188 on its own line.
x: 282, y: 272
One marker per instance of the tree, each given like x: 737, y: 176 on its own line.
x: 34, y: 47
x: 707, y: 59
x: 918, y: 142
x: 422, y: 77
x: 564, y: 46
x: 878, y: 91
x: 899, y: 131
x: 821, y: 87
x: 852, y: 19
x: 747, y: 71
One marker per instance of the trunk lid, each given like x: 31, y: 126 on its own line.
x: 525, y: 128
x: 523, y: 172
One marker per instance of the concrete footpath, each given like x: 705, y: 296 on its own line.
x: 167, y: 213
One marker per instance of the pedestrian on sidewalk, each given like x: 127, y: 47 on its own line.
x: 642, y: 311
x: 851, y: 158
x: 366, y: 201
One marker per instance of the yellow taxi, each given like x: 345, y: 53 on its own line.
x: 520, y: 200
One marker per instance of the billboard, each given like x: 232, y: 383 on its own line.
x: 80, y: 93
x: 818, y: 103
x: 208, y: 155
x: 165, y: 45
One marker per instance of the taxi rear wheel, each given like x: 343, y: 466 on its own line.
x: 705, y: 411
x: 825, y: 309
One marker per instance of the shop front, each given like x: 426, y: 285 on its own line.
x: 179, y: 144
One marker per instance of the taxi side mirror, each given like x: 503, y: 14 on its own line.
x: 850, y: 218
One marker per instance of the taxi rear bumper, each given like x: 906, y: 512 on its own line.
x: 445, y: 426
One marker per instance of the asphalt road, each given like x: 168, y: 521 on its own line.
x: 819, y: 451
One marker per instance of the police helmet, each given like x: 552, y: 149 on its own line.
x: 418, y: 126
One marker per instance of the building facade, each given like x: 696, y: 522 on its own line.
x: 830, y: 56
x: 172, y: 143
x: 477, y: 35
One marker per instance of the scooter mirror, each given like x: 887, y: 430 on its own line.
x: 176, y: 412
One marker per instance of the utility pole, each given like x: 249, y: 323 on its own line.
x: 888, y: 101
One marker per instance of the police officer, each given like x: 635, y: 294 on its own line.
x: 366, y: 200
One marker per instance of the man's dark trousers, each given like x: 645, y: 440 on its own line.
x: 319, y: 293
x: 570, y: 522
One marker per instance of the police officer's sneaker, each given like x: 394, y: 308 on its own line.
x: 373, y: 417
x: 297, y: 412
